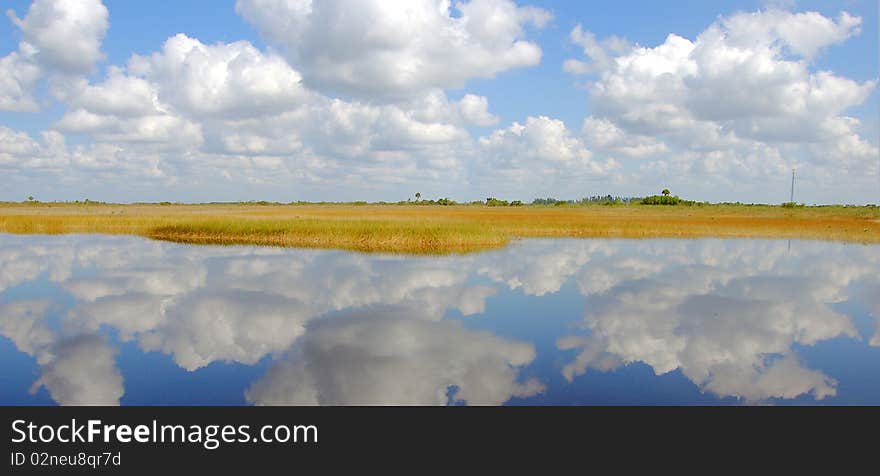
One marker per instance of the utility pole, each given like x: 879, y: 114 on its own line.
x: 792, y: 186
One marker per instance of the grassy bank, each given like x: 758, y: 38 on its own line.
x: 435, y: 229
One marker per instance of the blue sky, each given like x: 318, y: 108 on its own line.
x: 327, y: 113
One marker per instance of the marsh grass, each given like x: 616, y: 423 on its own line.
x: 359, y: 235
x: 436, y: 230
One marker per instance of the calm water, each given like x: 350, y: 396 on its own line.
x: 98, y: 319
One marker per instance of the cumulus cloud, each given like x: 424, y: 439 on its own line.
x: 333, y: 142
x: 741, y: 98
x: 19, y: 150
x: 543, y: 150
x: 163, y: 130
x: 542, y: 138
x: 475, y: 110
x: 228, y: 112
x: 59, y: 37
x: 802, y: 34
x: 352, y: 96
x: 65, y: 35
x: 394, y: 49
x: 603, y: 134
x: 166, y: 101
x: 233, y: 112
x: 238, y: 111
x: 224, y: 79
x: 601, y: 53
x: 118, y: 95
x: 18, y: 77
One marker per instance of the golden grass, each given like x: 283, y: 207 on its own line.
x: 436, y: 229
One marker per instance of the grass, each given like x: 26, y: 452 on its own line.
x: 435, y: 229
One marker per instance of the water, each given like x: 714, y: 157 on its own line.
x: 89, y: 319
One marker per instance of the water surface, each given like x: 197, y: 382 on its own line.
x: 88, y: 319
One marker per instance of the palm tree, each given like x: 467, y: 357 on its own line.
x: 418, y: 196
x: 665, y: 192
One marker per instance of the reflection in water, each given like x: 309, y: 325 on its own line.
x: 331, y: 327
x: 394, y: 355
x: 77, y: 370
x: 871, y: 296
x: 731, y: 336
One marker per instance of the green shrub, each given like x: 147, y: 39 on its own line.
x: 544, y: 201
x: 661, y: 200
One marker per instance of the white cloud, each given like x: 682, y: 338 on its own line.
x: 394, y: 49
x: 605, y: 135
x: 163, y: 130
x: 59, y: 38
x: 802, y: 34
x: 742, y: 98
x: 601, y: 53
x: 65, y: 35
x: 475, y: 110
x: 232, y: 109
x: 734, y: 108
x: 14, y: 144
x: 18, y: 77
x: 118, y: 95
x: 335, y: 141
x: 541, y: 138
x: 541, y: 150
x: 19, y: 151
x: 224, y: 79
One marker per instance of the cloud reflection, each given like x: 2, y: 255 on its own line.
x: 395, y: 356
x: 731, y: 328
x: 348, y: 328
x: 75, y: 370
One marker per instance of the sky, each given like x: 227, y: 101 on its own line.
x: 285, y: 100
